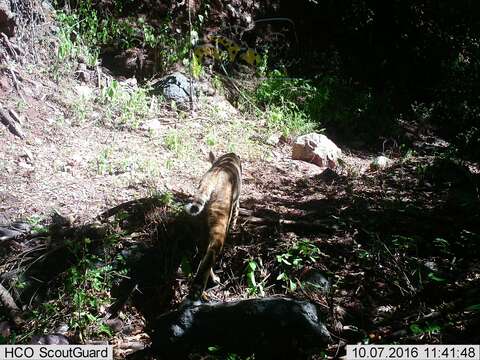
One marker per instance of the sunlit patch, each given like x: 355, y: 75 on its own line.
x: 222, y: 48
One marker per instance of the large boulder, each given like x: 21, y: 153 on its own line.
x: 176, y: 87
x: 272, y: 328
x: 7, y: 19
x: 316, y: 149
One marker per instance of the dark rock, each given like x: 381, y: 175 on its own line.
x: 175, y: 87
x: 7, y: 19
x: 14, y: 230
x: 315, y: 280
x: 329, y: 176
x: 7, y: 234
x: 115, y: 324
x: 51, y: 339
x: 272, y: 328
x: 5, y: 329
x: 21, y: 226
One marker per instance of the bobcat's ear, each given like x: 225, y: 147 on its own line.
x: 211, y: 157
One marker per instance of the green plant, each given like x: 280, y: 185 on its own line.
x: 404, y: 243
x: 88, y: 284
x: 443, y: 246
x: 288, y: 103
x: 125, y: 108
x: 428, y: 329
x: 73, y: 39
x: 302, y: 253
x: 197, y: 67
x: 177, y: 142
x: 218, y: 84
x: 36, y: 224
x: 104, y: 162
x: 288, y: 120
x: 110, y: 93
x: 81, y: 108
x: 253, y: 286
x: 216, y: 353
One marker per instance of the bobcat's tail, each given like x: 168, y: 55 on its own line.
x: 196, y: 206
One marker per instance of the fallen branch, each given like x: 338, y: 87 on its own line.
x: 14, y: 50
x: 15, y: 82
x: 15, y: 116
x: 13, y: 310
x: 252, y: 219
x: 11, y: 124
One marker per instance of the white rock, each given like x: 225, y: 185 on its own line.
x: 84, y: 91
x: 152, y: 125
x: 380, y: 162
x: 316, y: 149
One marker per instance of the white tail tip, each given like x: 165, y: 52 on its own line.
x: 194, y: 208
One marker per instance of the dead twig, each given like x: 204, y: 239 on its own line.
x: 13, y: 310
x: 11, y: 124
x: 252, y: 219
x: 15, y: 116
x: 13, y: 49
x: 15, y: 82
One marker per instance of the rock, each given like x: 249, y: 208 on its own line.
x: 82, y: 73
x: 273, y: 139
x: 8, y: 24
x: 62, y: 329
x: 126, y: 63
x: 269, y: 327
x: 51, y: 339
x: 21, y: 226
x: 315, y: 280
x: 329, y: 176
x: 175, y: 87
x: 380, y: 163
x: 5, y: 329
x: 8, y: 234
x: 115, y: 324
x: 316, y: 149
x: 153, y: 125
x: 84, y: 91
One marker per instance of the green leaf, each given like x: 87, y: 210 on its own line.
x: 415, y: 329
x: 292, y: 286
x: 213, y: 349
x: 436, y: 278
x: 252, y: 266
x: 475, y: 307
x: 282, y: 276
x: 251, y: 279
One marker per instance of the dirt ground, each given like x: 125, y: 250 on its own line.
x: 377, y: 231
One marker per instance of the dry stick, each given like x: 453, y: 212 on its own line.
x: 7, y: 120
x: 15, y: 81
x: 13, y: 310
x: 239, y: 91
x: 12, y: 49
x: 15, y: 116
x: 252, y: 219
x: 405, y: 276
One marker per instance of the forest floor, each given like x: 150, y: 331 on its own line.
x: 398, y: 247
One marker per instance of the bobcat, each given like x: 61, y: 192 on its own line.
x: 218, y: 196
